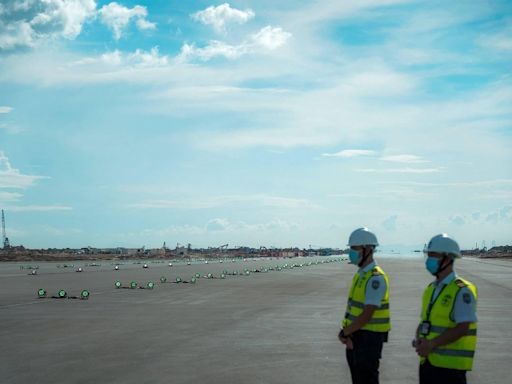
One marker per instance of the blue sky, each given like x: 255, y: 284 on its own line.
x: 255, y: 122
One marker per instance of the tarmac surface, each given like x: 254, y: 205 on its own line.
x: 274, y: 327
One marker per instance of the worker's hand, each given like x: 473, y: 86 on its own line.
x: 423, y: 347
x: 342, y: 338
x: 349, y: 343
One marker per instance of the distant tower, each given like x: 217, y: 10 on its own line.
x: 4, y: 237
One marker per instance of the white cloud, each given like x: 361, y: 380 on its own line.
x: 39, y: 208
x: 268, y: 38
x: 457, y: 220
x: 144, y: 24
x: 222, y: 225
x: 390, y: 223
x: 213, y: 49
x: 26, y: 23
x: 65, y: 16
x: 117, y: 17
x: 501, y: 41
x: 16, y: 34
x: 9, y: 196
x: 222, y: 15
x: 411, y: 159
x: 402, y: 170
x: 217, y: 225
x: 139, y: 58
x: 347, y: 153
x: 5, y: 109
x: 12, y: 178
x: 211, y: 202
x: 145, y: 58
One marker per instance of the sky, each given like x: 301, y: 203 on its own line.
x: 255, y: 123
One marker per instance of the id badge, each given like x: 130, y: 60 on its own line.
x: 425, y: 328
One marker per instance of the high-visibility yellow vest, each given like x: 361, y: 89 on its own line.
x: 380, y: 320
x: 460, y: 353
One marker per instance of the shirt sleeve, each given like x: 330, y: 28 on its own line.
x: 464, y: 309
x: 375, y: 290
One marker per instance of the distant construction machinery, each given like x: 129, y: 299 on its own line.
x: 5, y: 239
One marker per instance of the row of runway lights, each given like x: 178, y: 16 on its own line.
x: 62, y: 294
x: 145, y: 265
x: 224, y: 274
x: 84, y: 294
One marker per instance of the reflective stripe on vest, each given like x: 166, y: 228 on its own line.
x: 458, y: 354
x: 380, y: 321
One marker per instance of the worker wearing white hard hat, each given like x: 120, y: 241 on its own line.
x: 367, y: 322
x: 446, y: 336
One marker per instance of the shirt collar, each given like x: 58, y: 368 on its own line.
x: 370, y: 266
x: 447, y: 280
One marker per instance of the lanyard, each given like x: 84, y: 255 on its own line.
x: 433, y: 301
x: 354, y: 287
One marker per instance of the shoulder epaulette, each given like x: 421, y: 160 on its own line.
x: 376, y: 272
x: 460, y: 283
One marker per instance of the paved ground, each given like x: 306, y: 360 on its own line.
x: 275, y: 327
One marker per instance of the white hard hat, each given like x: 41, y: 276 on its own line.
x: 362, y: 236
x: 443, y: 243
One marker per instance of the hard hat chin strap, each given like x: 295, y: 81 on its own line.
x: 441, y: 269
x: 364, y: 257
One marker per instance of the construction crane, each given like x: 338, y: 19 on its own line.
x: 4, y: 237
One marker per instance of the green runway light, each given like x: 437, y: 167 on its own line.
x: 163, y: 279
x: 41, y: 293
x: 151, y: 285
x: 178, y: 279
x: 198, y: 275
x: 223, y: 276
x: 193, y: 280
x: 84, y: 295
x: 225, y: 272
x: 62, y: 294
x: 209, y: 276
x: 235, y: 273
x: 247, y: 273
x: 118, y: 284
x: 133, y: 285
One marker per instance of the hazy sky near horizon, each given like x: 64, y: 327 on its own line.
x: 255, y: 123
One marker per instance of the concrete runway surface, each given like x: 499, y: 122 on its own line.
x: 275, y: 327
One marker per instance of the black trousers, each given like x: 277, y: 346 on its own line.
x: 435, y: 375
x: 364, y: 359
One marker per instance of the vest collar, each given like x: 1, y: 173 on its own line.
x: 369, y: 267
x: 447, y: 280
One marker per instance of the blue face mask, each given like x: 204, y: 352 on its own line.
x: 432, y: 264
x: 354, y: 256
